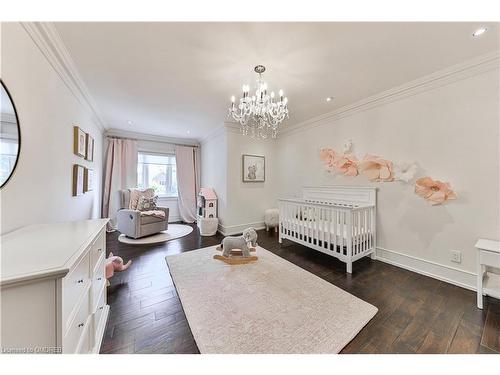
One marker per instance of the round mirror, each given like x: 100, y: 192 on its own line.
x: 10, y: 136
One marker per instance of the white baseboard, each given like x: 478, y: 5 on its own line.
x: 237, y: 229
x: 461, y: 278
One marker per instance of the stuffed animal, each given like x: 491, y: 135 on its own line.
x: 115, y: 264
x: 240, y: 246
x: 252, y: 172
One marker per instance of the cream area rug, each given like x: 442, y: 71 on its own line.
x: 174, y: 231
x: 269, y: 306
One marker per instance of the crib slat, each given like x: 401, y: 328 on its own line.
x: 335, y: 239
x: 295, y: 223
x: 366, y: 230
x: 363, y: 232
x: 323, y: 226
x: 370, y: 237
x: 355, y: 231
x: 315, y: 221
x: 329, y: 228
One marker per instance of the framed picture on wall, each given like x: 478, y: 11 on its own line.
x: 79, y: 141
x: 89, y: 146
x: 88, y: 180
x: 253, y: 168
x: 78, y: 177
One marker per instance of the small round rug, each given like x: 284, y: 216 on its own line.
x: 174, y: 231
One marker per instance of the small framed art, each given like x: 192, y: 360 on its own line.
x: 78, y: 177
x: 253, y: 168
x: 89, y: 147
x: 79, y: 142
x: 88, y: 180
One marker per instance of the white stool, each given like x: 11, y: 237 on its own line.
x: 271, y: 218
x: 488, y: 283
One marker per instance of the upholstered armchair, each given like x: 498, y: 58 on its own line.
x: 132, y: 224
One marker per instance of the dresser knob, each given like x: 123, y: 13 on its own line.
x: 81, y: 325
x: 99, y: 278
x: 99, y: 250
x: 80, y: 281
x: 102, y: 307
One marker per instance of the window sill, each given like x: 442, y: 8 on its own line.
x: 167, y: 198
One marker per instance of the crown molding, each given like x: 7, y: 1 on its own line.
x: 150, y: 137
x: 454, y: 73
x: 50, y: 43
x: 229, y: 126
x: 213, y: 134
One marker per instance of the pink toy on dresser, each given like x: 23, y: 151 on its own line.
x: 115, y: 264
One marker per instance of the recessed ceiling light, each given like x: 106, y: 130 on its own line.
x: 189, y: 132
x: 130, y: 122
x: 329, y: 99
x: 479, y: 31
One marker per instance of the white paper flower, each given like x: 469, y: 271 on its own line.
x: 405, y: 171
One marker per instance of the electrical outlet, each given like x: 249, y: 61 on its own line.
x: 456, y: 256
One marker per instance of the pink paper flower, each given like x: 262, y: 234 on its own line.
x: 347, y: 164
x: 328, y: 156
x: 376, y: 168
x: 436, y: 192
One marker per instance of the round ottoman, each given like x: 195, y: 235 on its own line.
x: 271, y: 218
x: 208, y: 225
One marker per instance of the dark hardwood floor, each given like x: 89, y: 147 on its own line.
x: 417, y: 314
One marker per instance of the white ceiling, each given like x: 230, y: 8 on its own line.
x: 171, y: 78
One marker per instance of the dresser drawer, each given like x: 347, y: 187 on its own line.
x: 489, y: 258
x: 98, y: 282
x: 97, y: 248
x: 74, y: 284
x: 77, y: 327
x: 98, y: 316
x: 85, y: 339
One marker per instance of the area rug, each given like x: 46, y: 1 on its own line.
x: 174, y: 231
x: 269, y: 306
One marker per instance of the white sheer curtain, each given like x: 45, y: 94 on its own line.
x: 120, y: 173
x: 188, y: 180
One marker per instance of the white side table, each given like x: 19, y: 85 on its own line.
x: 488, y: 254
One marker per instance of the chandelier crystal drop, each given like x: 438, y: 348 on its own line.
x: 260, y: 114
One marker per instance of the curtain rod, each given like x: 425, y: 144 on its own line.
x: 146, y: 140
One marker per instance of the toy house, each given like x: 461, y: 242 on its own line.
x: 207, y: 203
x: 207, y: 212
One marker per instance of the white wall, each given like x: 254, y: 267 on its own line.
x: 248, y: 200
x: 40, y: 190
x: 452, y: 131
x: 214, y: 169
x: 241, y: 204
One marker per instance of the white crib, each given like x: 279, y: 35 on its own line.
x: 337, y: 220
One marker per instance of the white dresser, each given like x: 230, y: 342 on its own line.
x: 53, y: 288
x: 488, y: 283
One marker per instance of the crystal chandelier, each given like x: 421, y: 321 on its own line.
x: 261, y: 114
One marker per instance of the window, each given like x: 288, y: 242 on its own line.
x: 159, y: 172
x: 8, y: 157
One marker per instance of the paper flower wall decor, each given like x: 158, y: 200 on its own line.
x: 436, y: 192
x: 346, y: 164
x: 376, y: 168
x: 328, y: 156
x: 405, y: 171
